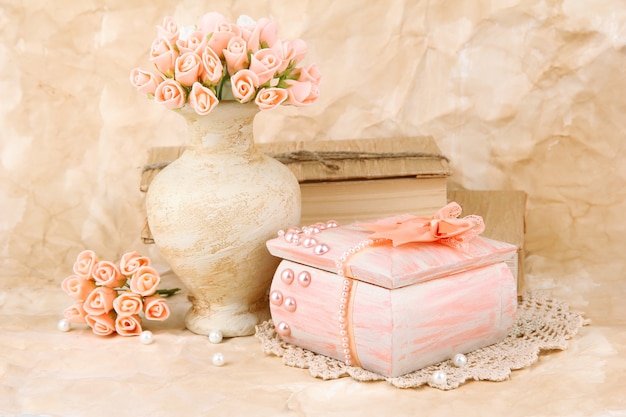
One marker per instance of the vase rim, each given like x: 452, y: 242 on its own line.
x: 187, y: 111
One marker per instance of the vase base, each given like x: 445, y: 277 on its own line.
x: 231, y: 320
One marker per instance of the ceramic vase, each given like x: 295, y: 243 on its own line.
x: 211, y: 212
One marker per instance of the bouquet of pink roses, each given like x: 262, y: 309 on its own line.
x: 110, y: 297
x: 219, y: 60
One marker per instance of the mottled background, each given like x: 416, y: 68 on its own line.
x: 519, y: 94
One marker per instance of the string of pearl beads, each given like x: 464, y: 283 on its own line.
x: 305, y: 236
x: 345, y: 330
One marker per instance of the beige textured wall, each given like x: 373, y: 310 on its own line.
x: 520, y: 94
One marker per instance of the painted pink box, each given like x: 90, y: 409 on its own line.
x: 395, y: 309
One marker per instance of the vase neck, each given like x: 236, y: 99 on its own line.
x: 227, y: 127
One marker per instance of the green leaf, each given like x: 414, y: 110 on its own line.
x: 283, y: 84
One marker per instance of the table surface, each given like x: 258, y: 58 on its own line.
x: 47, y: 372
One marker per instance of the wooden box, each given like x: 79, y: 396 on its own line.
x: 504, y: 214
x: 350, y: 180
x: 391, y: 310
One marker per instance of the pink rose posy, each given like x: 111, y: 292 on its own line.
x: 110, y: 298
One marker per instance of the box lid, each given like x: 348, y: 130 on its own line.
x: 388, y: 266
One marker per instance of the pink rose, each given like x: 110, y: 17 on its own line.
x: 302, y: 93
x: 244, y: 84
x: 131, y: 261
x: 78, y: 287
x: 223, y: 33
x: 310, y: 73
x: 268, y: 98
x: 168, y: 30
x: 236, y: 55
x: 196, y: 42
x: 210, y: 21
x: 144, y: 81
x: 145, y: 281
x: 266, y: 63
x: 128, y: 325
x: 108, y: 274
x: 263, y: 34
x: 156, y: 309
x: 128, y: 303
x: 163, y: 55
x: 171, y: 94
x: 187, y: 68
x: 202, y: 99
x: 294, y: 50
x: 101, y: 324
x: 85, y: 261
x: 212, y: 68
x: 75, y: 313
x: 99, y: 301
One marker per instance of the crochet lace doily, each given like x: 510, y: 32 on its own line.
x: 542, y: 323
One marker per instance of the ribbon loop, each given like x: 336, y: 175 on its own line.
x: 444, y: 227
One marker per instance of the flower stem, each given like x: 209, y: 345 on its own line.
x: 168, y: 292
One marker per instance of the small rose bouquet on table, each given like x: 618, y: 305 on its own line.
x: 219, y: 60
x: 111, y: 297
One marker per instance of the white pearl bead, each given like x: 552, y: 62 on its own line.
x: 439, y: 377
x: 218, y: 359
x: 287, y: 276
x: 304, y: 278
x: 290, y: 304
x: 321, y: 249
x: 309, y: 242
x: 146, y: 337
x: 215, y: 336
x: 283, y: 329
x: 459, y: 360
x: 63, y: 325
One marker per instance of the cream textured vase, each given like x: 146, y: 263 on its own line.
x: 211, y: 212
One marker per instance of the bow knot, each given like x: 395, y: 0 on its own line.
x: 444, y: 227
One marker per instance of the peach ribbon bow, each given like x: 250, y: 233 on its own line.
x: 444, y: 227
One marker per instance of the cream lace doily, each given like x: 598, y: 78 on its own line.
x: 542, y: 323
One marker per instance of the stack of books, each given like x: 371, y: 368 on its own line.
x: 358, y: 180
x: 350, y: 180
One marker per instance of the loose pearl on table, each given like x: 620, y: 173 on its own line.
x: 218, y: 359
x: 459, y: 360
x: 63, y: 325
x: 215, y: 336
x: 146, y: 337
x: 439, y: 377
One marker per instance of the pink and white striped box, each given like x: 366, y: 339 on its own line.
x: 390, y: 310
